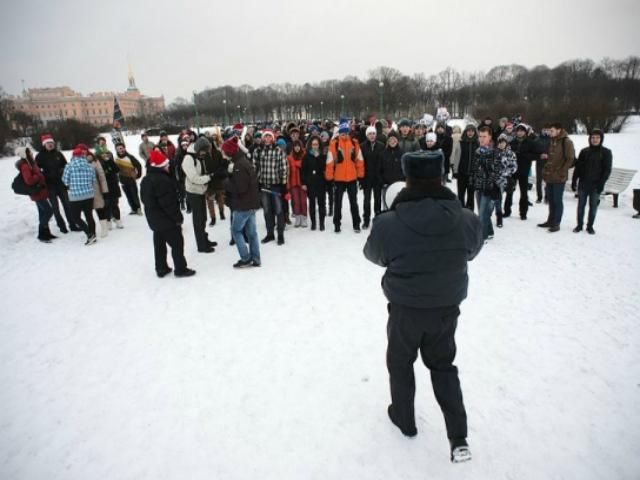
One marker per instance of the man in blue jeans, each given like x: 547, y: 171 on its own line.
x: 556, y: 171
x: 592, y: 171
x: 486, y: 178
x: 243, y: 185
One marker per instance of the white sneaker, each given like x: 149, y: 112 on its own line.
x: 303, y: 222
x: 298, y: 221
x: 110, y: 223
x: 119, y: 224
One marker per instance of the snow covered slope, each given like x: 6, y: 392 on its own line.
x: 108, y: 372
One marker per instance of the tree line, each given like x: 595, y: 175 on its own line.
x: 595, y: 94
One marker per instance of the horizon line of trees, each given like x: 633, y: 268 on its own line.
x: 574, y: 92
x: 594, y: 94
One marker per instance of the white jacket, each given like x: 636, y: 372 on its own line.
x: 196, y: 181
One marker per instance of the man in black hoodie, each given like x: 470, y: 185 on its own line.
x: 425, y: 241
x: 526, y: 151
x: 592, y: 171
x: 372, y: 151
x: 52, y: 162
x: 160, y: 198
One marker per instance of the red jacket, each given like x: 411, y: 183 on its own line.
x: 32, y: 175
x: 295, y: 165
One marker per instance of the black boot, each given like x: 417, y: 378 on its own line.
x: 280, y: 238
x: 268, y: 238
x: 48, y: 232
x: 322, y: 224
x: 410, y: 431
x: 42, y: 235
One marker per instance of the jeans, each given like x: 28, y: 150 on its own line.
x: 430, y: 331
x: 199, y: 216
x: 173, y: 238
x: 273, y: 210
x: 591, y: 194
x: 485, y: 208
x: 555, y: 191
x: 376, y: 190
x: 86, y: 207
x: 54, y: 195
x: 244, y: 223
x: 130, y: 188
x: 45, y: 212
x: 352, y: 191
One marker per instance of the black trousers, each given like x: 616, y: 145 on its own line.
x: 130, y: 188
x: 173, y: 238
x: 199, y: 216
x: 539, y: 190
x: 465, y: 191
x: 54, y: 195
x: 523, y: 184
x: 430, y: 332
x: 273, y: 209
x: 111, y: 207
x: 376, y: 190
x: 86, y: 207
x: 317, y: 197
x: 352, y: 191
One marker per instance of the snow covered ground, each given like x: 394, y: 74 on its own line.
x: 108, y: 372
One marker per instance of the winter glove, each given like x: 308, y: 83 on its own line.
x: 230, y: 168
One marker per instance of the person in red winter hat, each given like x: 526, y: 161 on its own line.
x: 159, y: 192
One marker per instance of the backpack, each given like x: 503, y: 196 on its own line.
x: 21, y: 188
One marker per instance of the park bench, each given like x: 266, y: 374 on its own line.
x: 618, y: 182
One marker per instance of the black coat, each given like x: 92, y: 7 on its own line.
x: 593, y: 168
x: 52, y: 164
x: 391, y: 165
x: 372, y: 154
x: 445, y: 142
x: 526, y: 150
x: 159, y: 194
x: 467, y: 151
x: 243, y: 184
x: 425, y: 242
x: 312, y: 172
x: 215, y: 163
x: 111, y: 173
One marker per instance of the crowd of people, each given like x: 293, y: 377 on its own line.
x: 299, y: 173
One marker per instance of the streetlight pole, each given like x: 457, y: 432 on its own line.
x: 224, y: 102
x: 195, y: 106
x: 239, y: 118
x: 342, y: 112
x: 381, y: 85
x: 322, y: 109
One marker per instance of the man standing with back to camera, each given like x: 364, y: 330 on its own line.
x: 425, y: 241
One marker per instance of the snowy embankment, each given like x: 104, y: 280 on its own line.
x: 279, y: 372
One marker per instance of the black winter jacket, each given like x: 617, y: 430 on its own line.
x: 52, y: 164
x: 159, y: 194
x: 593, y: 168
x: 391, y: 165
x: 312, y: 172
x: 243, y: 184
x: 467, y: 151
x: 372, y: 154
x: 526, y: 150
x: 425, y: 242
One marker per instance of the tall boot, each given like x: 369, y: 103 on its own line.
x: 104, y: 228
x: 322, y: 224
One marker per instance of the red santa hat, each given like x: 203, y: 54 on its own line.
x: 80, y: 150
x: 238, y: 127
x: 230, y: 147
x: 268, y: 132
x: 46, y: 138
x: 158, y: 159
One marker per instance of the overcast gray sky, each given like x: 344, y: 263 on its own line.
x: 178, y: 46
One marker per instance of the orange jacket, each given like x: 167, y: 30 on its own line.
x: 295, y: 164
x: 347, y: 170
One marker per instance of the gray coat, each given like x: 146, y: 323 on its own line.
x: 425, y: 242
